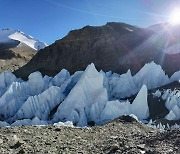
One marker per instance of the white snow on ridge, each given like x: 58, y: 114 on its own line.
x: 6, y: 35
x: 81, y: 98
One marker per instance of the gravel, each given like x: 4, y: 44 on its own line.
x: 119, y: 136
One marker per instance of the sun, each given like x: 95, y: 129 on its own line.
x: 174, y: 17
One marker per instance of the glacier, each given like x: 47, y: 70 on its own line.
x: 84, y: 97
x: 114, y: 109
x: 126, y: 85
x: 175, y: 76
x: 172, y: 102
x: 88, y: 90
x: 40, y: 105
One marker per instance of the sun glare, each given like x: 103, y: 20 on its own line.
x: 174, y: 17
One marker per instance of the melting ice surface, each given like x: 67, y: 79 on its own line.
x: 81, y: 98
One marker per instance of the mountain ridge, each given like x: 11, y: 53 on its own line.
x: 113, y: 47
x: 8, y: 35
x: 16, y: 49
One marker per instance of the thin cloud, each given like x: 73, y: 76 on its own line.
x: 90, y: 13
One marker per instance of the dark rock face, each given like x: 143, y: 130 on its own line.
x: 10, y: 44
x: 113, y: 47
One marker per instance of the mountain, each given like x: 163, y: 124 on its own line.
x: 158, y: 27
x: 16, y: 49
x: 113, y: 47
x: 147, y: 80
x: 16, y: 37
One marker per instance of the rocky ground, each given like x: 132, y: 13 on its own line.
x: 123, y: 135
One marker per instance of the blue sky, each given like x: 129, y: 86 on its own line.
x: 49, y: 20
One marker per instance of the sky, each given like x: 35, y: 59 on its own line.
x: 50, y: 20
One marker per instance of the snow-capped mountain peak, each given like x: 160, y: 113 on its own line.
x: 8, y: 35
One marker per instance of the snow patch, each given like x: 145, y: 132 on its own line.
x: 128, y: 29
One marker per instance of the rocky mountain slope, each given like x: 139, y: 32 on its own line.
x: 113, y: 47
x: 122, y: 135
x: 14, y: 57
x: 16, y: 49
